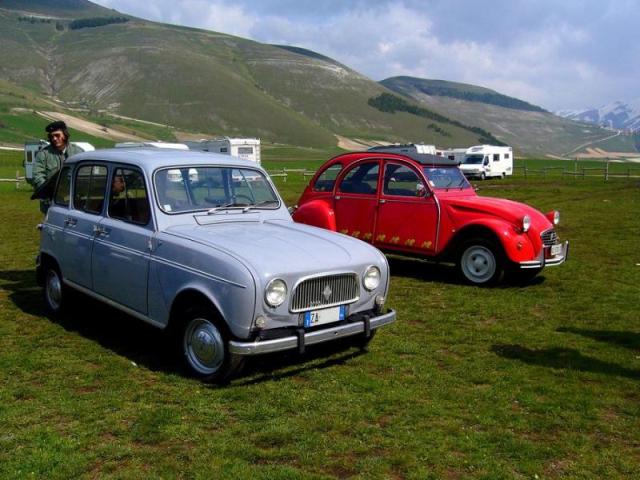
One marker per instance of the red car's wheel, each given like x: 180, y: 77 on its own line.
x: 480, y: 261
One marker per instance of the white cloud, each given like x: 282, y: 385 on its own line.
x: 551, y: 54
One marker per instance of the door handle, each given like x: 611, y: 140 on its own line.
x: 338, y: 197
x: 383, y: 201
x: 98, y: 230
x: 70, y: 221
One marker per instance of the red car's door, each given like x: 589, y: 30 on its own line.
x: 356, y: 200
x: 407, y: 212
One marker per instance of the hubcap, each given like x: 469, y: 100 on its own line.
x: 203, y: 346
x: 478, y: 264
x: 53, y: 290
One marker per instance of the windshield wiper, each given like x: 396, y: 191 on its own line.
x: 227, y: 206
x: 259, y: 204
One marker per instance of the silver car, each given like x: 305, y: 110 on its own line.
x: 203, y: 245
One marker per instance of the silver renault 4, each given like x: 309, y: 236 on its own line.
x: 203, y: 245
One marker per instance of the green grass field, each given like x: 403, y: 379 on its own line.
x: 537, y: 381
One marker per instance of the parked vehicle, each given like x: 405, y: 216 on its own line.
x: 422, y: 205
x: 245, y: 148
x: 486, y: 161
x: 456, y: 154
x: 215, y: 258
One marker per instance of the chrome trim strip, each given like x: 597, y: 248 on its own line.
x: 113, y: 304
x: 121, y: 247
x: 311, y: 338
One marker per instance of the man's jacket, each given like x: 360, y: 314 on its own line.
x: 49, y: 160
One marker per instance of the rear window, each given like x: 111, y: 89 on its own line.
x: 327, y: 179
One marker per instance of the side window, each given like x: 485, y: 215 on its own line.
x: 128, y: 199
x: 496, y: 157
x: 88, y: 194
x: 402, y: 181
x: 506, y: 156
x: 361, y: 179
x: 327, y: 179
x: 63, y: 191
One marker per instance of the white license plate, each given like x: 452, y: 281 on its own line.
x: 556, y: 250
x: 320, y: 317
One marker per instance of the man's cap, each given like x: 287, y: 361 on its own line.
x: 54, y: 126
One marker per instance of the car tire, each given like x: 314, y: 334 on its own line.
x: 204, y: 347
x: 481, y: 262
x: 483, y: 176
x: 55, y: 291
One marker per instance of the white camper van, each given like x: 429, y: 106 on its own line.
x: 31, y: 148
x: 245, y: 148
x: 485, y: 161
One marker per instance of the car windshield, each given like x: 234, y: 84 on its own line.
x: 446, y: 177
x: 473, y: 159
x: 188, y: 189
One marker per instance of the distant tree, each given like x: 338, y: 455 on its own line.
x: 95, y: 22
x: 59, y: 26
x: 387, y: 102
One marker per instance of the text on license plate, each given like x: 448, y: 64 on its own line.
x: 556, y: 250
x: 327, y: 315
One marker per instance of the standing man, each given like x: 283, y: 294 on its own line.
x: 50, y: 159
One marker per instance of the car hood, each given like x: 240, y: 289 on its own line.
x: 498, y: 207
x: 275, y: 246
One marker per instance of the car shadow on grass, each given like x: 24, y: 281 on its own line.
x: 152, y: 348
x: 625, y: 339
x: 420, y: 269
x: 279, y: 366
x: 563, y: 358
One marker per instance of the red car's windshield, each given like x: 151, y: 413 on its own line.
x: 445, y: 177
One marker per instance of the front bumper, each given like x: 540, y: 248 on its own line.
x: 303, y: 338
x: 542, y: 262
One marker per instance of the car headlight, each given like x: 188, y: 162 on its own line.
x: 556, y: 217
x: 276, y: 292
x: 371, y: 278
x: 526, y: 223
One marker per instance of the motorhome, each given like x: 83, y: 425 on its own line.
x: 31, y: 148
x: 486, y: 161
x: 244, y: 148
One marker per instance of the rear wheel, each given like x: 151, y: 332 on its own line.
x: 483, y: 176
x: 480, y: 261
x: 204, y: 345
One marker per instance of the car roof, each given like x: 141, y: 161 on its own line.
x: 410, y: 151
x: 421, y: 158
x: 150, y: 159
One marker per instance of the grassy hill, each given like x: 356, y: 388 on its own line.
x: 202, y: 81
x: 529, y: 128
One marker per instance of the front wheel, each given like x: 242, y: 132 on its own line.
x: 205, y: 351
x: 480, y: 262
x: 55, y: 292
x: 483, y: 176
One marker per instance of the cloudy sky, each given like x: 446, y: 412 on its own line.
x: 556, y: 54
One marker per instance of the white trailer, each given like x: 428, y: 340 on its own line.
x: 31, y: 148
x: 245, y: 148
x: 174, y: 146
x: 455, y: 154
x: 486, y: 161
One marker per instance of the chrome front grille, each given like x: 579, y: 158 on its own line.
x: 550, y: 237
x: 324, y: 292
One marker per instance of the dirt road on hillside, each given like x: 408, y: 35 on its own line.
x: 90, y: 127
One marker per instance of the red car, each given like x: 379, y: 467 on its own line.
x: 421, y: 205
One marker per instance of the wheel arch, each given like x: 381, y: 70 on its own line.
x: 46, y: 260
x: 468, y: 232
x: 191, y: 297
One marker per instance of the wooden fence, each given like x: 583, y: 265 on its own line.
x: 583, y: 172
x: 18, y: 180
x: 284, y: 173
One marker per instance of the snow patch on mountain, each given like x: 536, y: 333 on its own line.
x: 616, y: 115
